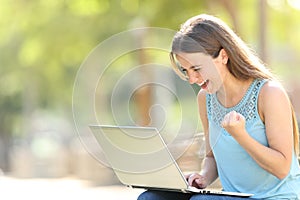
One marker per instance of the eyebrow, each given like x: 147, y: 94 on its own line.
x: 195, y: 66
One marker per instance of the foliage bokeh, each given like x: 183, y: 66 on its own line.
x: 43, y: 43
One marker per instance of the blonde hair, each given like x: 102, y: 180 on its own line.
x: 208, y: 34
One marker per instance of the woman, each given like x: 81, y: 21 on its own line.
x: 249, y: 124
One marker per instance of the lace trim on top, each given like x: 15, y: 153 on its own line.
x: 247, y: 106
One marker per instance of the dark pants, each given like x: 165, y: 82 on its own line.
x: 163, y: 195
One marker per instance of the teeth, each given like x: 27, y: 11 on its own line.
x: 201, y: 84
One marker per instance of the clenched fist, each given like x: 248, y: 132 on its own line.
x: 234, y: 123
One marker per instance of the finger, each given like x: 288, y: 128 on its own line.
x: 233, y: 116
x: 238, y: 117
x: 198, y: 181
x: 223, y: 123
x: 191, y: 179
x: 225, y: 120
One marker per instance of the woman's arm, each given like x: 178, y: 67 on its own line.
x: 208, y: 173
x: 275, y: 111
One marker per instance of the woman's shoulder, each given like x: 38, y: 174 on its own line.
x: 272, y: 89
x: 273, y: 95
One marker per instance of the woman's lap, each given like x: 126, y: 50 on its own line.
x: 163, y: 195
x: 216, y: 197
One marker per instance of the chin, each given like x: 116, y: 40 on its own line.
x: 210, y: 90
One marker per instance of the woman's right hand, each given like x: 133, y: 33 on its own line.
x: 196, y: 180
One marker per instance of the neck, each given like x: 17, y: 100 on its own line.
x: 233, y: 91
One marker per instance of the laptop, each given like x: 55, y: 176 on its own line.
x: 140, y: 159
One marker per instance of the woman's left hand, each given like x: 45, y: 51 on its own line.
x: 234, y: 123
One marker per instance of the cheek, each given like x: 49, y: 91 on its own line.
x: 219, y: 70
x: 215, y: 80
x: 212, y: 72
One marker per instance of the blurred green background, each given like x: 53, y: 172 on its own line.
x: 43, y: 43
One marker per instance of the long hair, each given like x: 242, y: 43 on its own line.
x: 207, y: 34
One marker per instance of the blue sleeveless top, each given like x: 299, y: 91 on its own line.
x: 238, y: 172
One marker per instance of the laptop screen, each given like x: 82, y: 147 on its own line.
x: 139, y: 156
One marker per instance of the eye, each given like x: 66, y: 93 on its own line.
x: 196, y: 68
x: 183, y: 70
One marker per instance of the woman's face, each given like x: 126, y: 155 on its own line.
x: 203, y: 70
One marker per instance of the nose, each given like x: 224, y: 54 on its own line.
x: 194, y: 77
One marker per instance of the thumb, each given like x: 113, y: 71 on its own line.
x: 238, y: 117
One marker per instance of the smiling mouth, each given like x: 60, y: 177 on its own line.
x: 203, y: 84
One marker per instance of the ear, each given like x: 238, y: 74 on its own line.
x: 224, y: 57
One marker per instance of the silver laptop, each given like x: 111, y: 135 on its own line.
x: 140, y: 159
